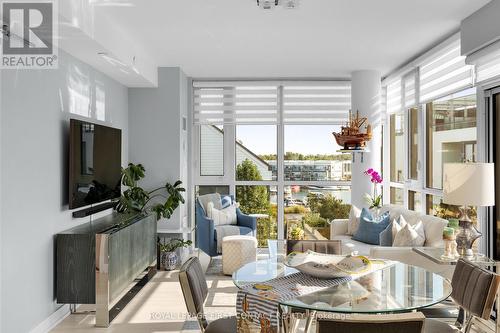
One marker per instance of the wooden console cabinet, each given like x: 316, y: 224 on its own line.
x: 96, y: 261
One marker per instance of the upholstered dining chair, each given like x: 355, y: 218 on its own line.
x: 474, y: 290
x: 320, y: 246
x: 194, y: 288
x: 412, y: 322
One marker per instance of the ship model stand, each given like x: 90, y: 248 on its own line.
x: 350, y: 136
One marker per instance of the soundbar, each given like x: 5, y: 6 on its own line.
x: 94, y: 209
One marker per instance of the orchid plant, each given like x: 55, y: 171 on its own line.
x: 374, y: 200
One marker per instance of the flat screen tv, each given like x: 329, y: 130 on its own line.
x: 95, y: 154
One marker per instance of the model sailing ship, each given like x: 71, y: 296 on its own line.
x: 350, y: 136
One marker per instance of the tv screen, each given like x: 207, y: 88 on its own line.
x: 95, y: 153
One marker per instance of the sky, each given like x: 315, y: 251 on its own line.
x: 304, y: 139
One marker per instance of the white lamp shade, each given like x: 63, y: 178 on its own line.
x: 471, y: 184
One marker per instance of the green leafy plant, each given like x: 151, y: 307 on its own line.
x: 314, y: 220
x: 297, y: 233
x: 162, y: 201
x: 174, y: 244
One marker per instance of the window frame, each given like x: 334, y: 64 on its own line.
x: 229, y: 153
x: 420, y: 186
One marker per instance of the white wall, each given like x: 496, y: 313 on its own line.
x: 157, y: 139
x: 36, y: 106
x: 365, y: 97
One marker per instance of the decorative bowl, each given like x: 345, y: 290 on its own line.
x: 327, y: 266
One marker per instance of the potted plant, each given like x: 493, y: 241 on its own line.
x: 168, y: 257
x: 375, y: 200
x: 161, y: 201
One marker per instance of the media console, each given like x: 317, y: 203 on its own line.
x: 97, y: 261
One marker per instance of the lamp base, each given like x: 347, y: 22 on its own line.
x: 467, y: 234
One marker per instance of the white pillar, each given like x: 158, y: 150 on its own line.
x: 366, y: 98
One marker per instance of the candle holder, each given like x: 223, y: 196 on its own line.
x: 450, y: 244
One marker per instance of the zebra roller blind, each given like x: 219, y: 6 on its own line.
x: 444, y: 71
x: 287, y: 102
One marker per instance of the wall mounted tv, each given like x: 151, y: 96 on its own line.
x: 95, y: 154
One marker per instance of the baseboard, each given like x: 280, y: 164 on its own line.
x: 52, y: 321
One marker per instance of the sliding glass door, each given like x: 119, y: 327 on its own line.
x: 493, y: 130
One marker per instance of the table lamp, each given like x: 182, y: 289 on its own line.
x: 465, y: 185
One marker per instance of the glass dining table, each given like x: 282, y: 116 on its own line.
x: 393, y: 289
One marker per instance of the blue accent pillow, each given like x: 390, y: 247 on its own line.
x: 385, y: 237
x: 226, y: 201
x: 370, y: 228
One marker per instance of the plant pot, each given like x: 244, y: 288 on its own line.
x: 169, y: 260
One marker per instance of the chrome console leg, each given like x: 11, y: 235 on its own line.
x: 310, y: 315
x: 102, y: 280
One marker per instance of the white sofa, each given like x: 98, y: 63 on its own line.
x: 433, y: 228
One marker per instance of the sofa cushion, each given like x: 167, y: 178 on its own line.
x: 410, y: 235
x: 385, y: 237
x: 370, y: 228
x: 396, y: 211
x: 433, y: 227
x: 212, y: 197
x: 353, y: 224
x: 350, y: 245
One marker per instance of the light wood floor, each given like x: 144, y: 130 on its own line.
x: 159, y: 307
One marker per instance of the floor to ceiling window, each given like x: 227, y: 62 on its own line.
x: 270, y: 144
x: 432, y: 120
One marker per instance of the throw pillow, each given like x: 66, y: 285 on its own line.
x: 353, y: 223
x: 397, y: 225
x: 370, y: 228
x: 410, y: 235
x: 222, y: 216
x: 385, y: 237
x: 226, y: 201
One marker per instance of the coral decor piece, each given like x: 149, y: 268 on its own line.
x: 375, y: 200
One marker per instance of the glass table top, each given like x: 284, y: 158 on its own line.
x: 398, y: 288
x: 435, y: 254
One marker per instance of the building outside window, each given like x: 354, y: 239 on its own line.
x: 451, y: 134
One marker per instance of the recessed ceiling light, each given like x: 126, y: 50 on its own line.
x: 270, y: 4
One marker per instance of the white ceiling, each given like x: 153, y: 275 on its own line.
x: 321, y: 38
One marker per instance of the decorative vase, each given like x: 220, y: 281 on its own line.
x: 169, y: 260
x: 375, y: 212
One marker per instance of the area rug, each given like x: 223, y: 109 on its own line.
x: 215, y: 266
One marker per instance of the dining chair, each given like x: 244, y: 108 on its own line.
x: 474, y: 290
x: 195, y: 290
x: 412, y: 322
x: 320, y: 246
